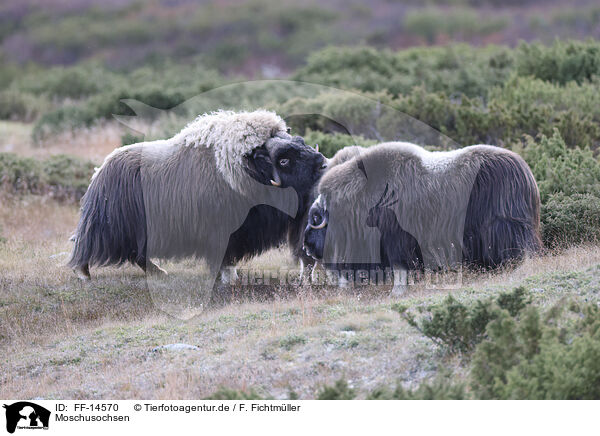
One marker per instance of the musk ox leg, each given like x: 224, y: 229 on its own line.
x: 82, y: 272
x: 228, y: 275
x: 400, y: 281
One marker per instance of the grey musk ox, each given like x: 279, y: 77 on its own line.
x: 230, y: 184
x: 398, y: 206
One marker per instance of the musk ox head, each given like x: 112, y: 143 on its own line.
x: 318, y: 215
x: 286, y: 161
x: 256, y: 144
x: 316, y: 229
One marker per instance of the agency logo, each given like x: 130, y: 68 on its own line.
x: 26, y: 415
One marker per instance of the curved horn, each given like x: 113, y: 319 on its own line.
x: 317, y: 148
x: 320, y: 226
x: 275, y: 181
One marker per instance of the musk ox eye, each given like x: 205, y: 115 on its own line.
x: 284, y: 162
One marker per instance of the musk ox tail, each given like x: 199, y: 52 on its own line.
x: 112, y: 227
x: 503, y: 215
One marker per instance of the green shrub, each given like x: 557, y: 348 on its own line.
x: 329, y: 144
x: 20, y: 174
x: 19, y: 106
x: 562, y: 62
x: 431, y: 22
x: 560, y: 169
x: 290, y: 341
x: 442, y: 388
x: 339, y: 391
x: 458, y: 327
x: 531, y: 358
x: 454, y: 69
x: 231, y: 394
x: 66, y: 118
x: 63, y: 177
x: 129, y: 138
x: 569, y: 183
x: 67, y: 176
x: 570, y: 220
x: 75, y: 82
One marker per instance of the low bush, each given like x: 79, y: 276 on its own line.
x: 562, y: 62
x: 558, y: 168
x: 20, y: 174
x: 231, y: 394
x: 570, y: 220
x: 442, y: 388
x: 60, y: 176
x: 19, y: 106
x: 455, y: 69
x: 458, y: 327
x: 329, y: 144
x: 531, y: 357
x: 129, y: 138
x: 66, y: 118
x: 569, y: 183
x: 431, y: 22
x: 339, y: 391
x: 514, y: 350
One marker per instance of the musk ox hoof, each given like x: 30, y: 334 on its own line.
x: 229, y: 275
x: 82, y: 272
x: 155, y: 270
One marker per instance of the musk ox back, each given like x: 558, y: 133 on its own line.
x: 397, y: 205
x: 199, y: 194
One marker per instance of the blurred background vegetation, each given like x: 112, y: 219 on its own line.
x: 519, y: 74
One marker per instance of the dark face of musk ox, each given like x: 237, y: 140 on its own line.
x: 316, y: 230
x: 286, y: 161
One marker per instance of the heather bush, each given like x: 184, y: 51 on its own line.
x: 562, y: 62
x: 533, y: 357
x: 514, y: 350
x: 329, y: 144
x: 429, y: 23
x: 558, y: 168
x: 19, y: 106
x: 442, y: 388
x: 570, y: 220
x: 61, y: 176
x: 458, y: 327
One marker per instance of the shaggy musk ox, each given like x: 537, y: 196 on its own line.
x: 228, y: 185
x: 398, y: 206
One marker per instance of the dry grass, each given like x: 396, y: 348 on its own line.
x: 60, y: 338
x: 93, y: 143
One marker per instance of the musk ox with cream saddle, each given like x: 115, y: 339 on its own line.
x: 230, y: 184
x: 398, y: 206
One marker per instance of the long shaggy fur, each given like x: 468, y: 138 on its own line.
x: 180, y: 197
x: 478, y: 205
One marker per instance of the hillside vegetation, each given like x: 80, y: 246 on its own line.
x: 444, y: 74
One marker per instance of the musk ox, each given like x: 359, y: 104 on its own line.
x: 398, y: 206
x: 228, y: 185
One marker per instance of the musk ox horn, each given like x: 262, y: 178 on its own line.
x: 320, y: 226
x: 276, y: 180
